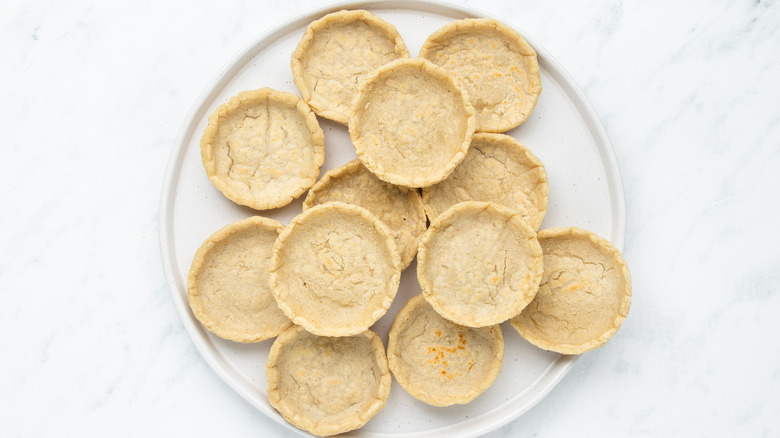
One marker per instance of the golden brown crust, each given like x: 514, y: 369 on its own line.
x: 227, y: 285
x: 496, y: 169
x: 439, y: 362
x: 401, y: 110
x: 327, y: 385
x: 584, y: 296
x: 335, y: 269
x: 263, y: 148
x: 399, y: 208
x: 498, y: 68
x: 479, y: 264
x: 336, y: 52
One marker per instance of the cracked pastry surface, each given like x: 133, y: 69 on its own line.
x: 336, y: 52
x: 439, y: 362
x: 411, y: 123
x: 584, y: 296
x: 263, y: 148
x: 479, y: 264
x: 399, y: 208
x: 227, y: 285
x: 327, y: 385
x: 498, y: 68
x: 335, y: 269
x: 497, y: 169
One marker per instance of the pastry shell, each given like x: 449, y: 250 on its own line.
x: 336, y: 52
x: 584, y: 296
x: 479, y: 264
x: 497, y: 66
x: 411, y: 123
x: 439, y: 362
x: 327, y: 385
x: 401, y: 209
x: 263, y: 148
x: 227, y: 285
x: 496, y: 169
x: 335, y: 269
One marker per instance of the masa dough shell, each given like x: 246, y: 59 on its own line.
x: 439, y: 362
x: 479, y: 264
x: 336, y: 52
x: 335, y: 269
x: 327, y: 385
x: 263, y: 148
x: 401, y: 209
x: 584, y: 296
x: 227, y: 285
x: 411, y: 123
x: 497, y: 169
x: 498, y: 68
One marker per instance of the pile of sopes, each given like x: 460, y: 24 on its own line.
x: 427, y: 133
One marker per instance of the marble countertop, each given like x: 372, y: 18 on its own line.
x: 92, y: 95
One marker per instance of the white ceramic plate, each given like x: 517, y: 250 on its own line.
x: 563, y: 131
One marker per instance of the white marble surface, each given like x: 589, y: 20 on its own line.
x: 92, y: 95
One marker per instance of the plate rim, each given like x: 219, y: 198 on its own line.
x: 474, y: 426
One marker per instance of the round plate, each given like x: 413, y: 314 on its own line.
x: 563, y: 131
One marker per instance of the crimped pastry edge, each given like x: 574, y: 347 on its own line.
x: 518, y: 148
x: 197, y: 265
x: 352, y: 167
x: 343, y: 16
x: 413, y: 179
x: 254, y: 97
x: 312, y: 426
x: 622, y: 314
x: 392, y: 285
x: 431, y: 399
x: 442, y: 221
x: 513, y: 36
